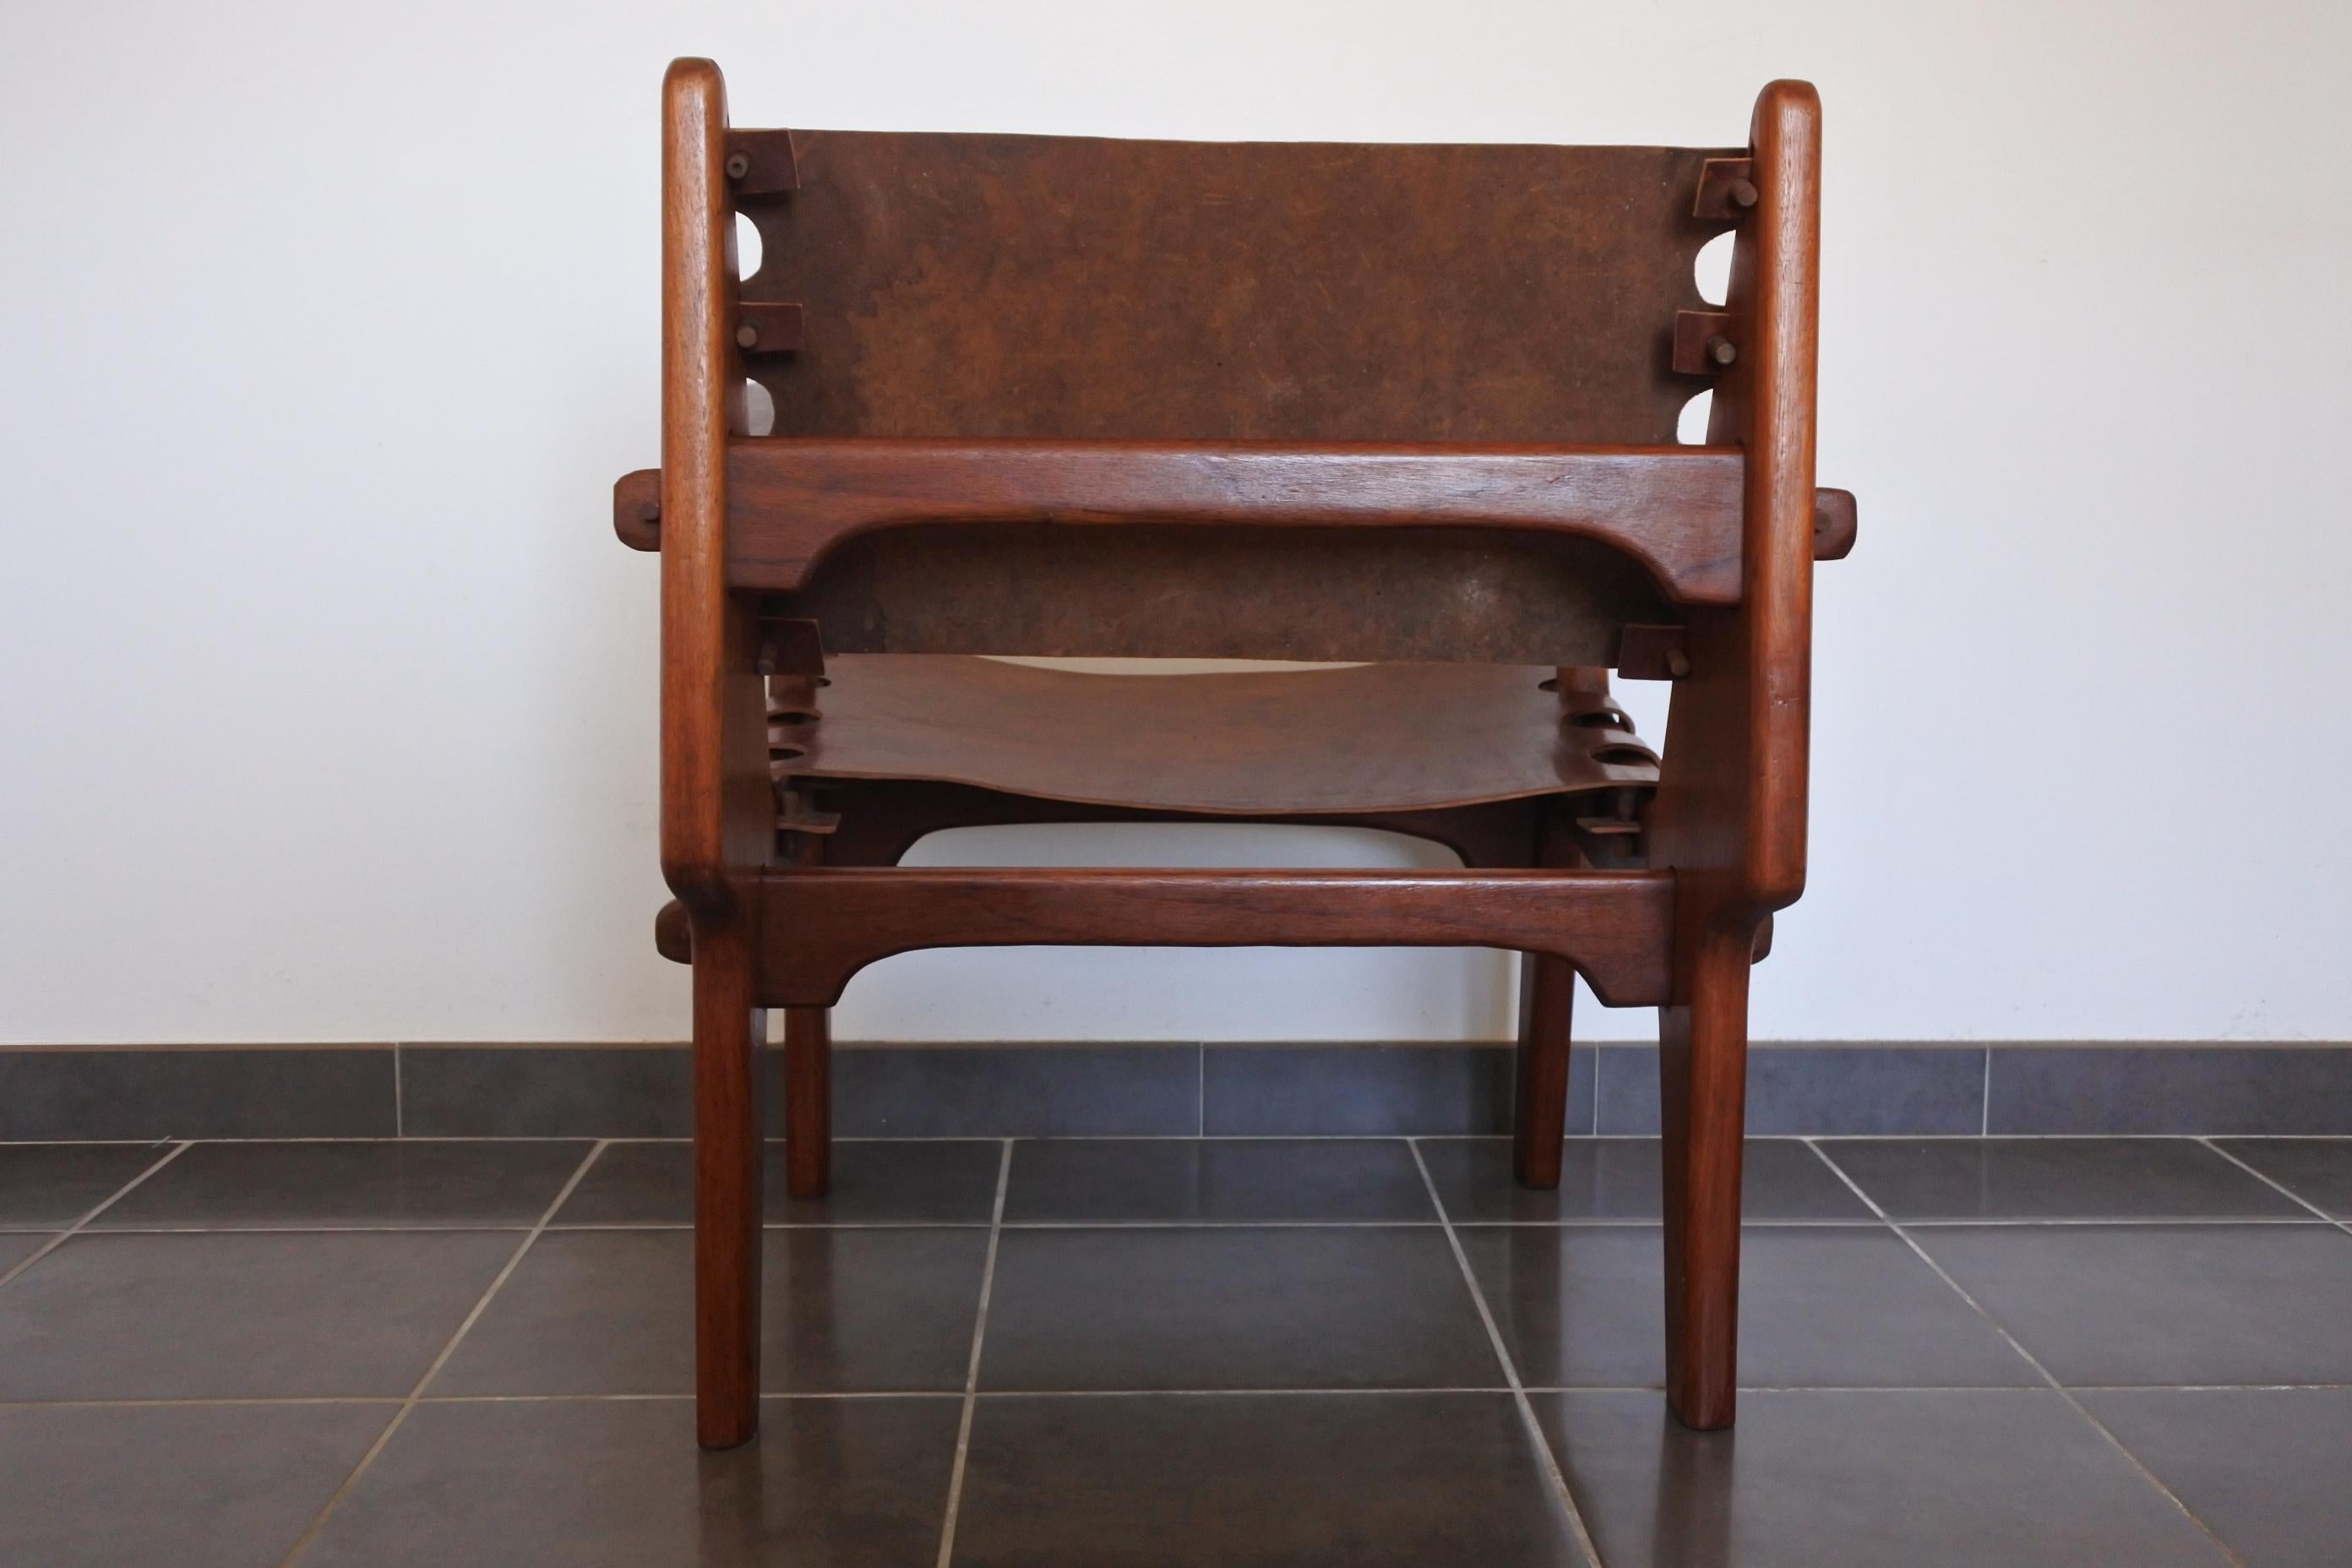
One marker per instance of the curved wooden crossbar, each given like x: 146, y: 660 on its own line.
x: 1674, y: 510
x: 822, y: 926
x: 636, y: 516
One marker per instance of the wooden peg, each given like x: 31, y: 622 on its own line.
x: 1727, y: 189
x: 1835, y: 524
x: 1653, y: 653
x: 761, y: 163
x: 773, y: 328
x: 1702, y: 342
x: 637, y: 509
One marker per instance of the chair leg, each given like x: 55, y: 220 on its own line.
x: 808, y: 1101
x: 1703, y: 1077
x: 729, y: 1033
x: 1540, y: 1119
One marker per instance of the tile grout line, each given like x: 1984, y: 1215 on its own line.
x: 482, y: 1305
x: 2032, y: 1360
x: 269, y: 1399
x: 811, y: 1395
x: 1599, y: 1052
x: 2281, y: 1188
x: 1984, y: 1105
x: 1561, y: 1494
x: 62, y: 1237
x: 971, y: 1372
x: 1201, y: 1089
x: 1438, y: 1137
x: 1636, y: 1222
x: 399, y: 1111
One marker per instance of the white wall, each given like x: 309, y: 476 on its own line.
x: 327, y: 702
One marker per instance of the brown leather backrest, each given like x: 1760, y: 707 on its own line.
x: 1075, y: 286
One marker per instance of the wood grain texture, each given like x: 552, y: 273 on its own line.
x: 808, y: 1067
x: 1728, y: 818
x: 1675, y: 511
x: 830, y: 923
x: 1400, y: 593
x: 1731, y: 811
x: 1547, y: 983
x: 712, y: 712
x: 636, y: 520
x: 1703, y: 1097
x: 1540, y: 1097
x: 718, y: 819
x: 808, y: 1101
x: 1367, y: 738
x: 881, y: 819
x: 731, y: 1031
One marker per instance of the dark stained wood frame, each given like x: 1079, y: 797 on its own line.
x: 1613, y: 926
x: 1675, y: 510
x: 716, y: 806
x: 1728, y: 531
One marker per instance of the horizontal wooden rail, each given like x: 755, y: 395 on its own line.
x: 824, y: 925
x: 1675, y: 510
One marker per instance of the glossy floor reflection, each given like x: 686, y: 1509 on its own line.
x: 1174, y: 1351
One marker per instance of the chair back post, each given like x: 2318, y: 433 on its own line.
x: 716, y: 810
x: 1729, y: 817
x: 719, y: 812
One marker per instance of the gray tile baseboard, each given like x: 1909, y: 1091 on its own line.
x: 1369, y: 1091
x: 301, y: 1091
x: 2200, y: 1089
x: 1828, y: 1090
x: 494, y: 1089
x: 508, y: 1091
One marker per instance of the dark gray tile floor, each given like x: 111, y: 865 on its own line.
x: 1819, y: 1307
x: 195, y: 1484
x: 57, y: 1184
x: 1243, y: 1351
x: 2057, y: 1178
x: 945, y: 1182
x: 1232, y: 1307
x: 618, y: 1483
x: 1178, y: 1180
x: 1989, y: 1477
x: 2242, y: 1459
x: 416, y: 1183
x: 2319, y: 1171
x: 1618, y: 1179
x: 843, y: 1311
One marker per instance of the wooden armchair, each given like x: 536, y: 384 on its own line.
x: 1061, y: 397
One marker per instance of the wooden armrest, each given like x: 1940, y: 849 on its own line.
x: 674, y: 934
x: 1675, y: 510
x: 636, y: 497
x: 637, y: 509
x: 1834, y: 524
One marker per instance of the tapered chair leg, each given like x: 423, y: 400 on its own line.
x: 1702, y: 1077
x: 1539, y: 1117
x: 729, y: 1033
x: 808, y: 1101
